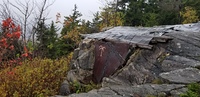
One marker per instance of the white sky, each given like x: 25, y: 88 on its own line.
x: 65, y: 7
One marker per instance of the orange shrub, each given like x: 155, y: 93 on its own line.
x: 38, y: 77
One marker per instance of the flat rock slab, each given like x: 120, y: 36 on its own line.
x: 139, y: 36
x: 185, y: 76
x: 133, y: 91
x: 174, y: 62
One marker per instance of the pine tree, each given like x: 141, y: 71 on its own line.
x: 46, y: 38
x: 70, y: 33
x: 95, y: 26
x: 71, y: 21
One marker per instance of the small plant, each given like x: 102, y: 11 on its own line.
x: 193, y: 90
x: 162, y: 57
x: 162, y: 94
x: 157, y: 81
x: 91, y: 86
x: 149, y: 95
x: 77, y: 87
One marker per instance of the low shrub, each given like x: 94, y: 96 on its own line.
x: 35, y: 78
x: 193, y: 90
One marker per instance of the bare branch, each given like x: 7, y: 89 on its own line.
x: 20, y: 4
x: 28, y: 13
x: 16, y: 8
x: 50, y: 5
x: 5, y: 12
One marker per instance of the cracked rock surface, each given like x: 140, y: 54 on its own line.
x: 132, y: 91
x: 185, y: 76
x: 163, y: 70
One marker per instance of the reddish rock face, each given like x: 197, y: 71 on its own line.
x: 109, y: 57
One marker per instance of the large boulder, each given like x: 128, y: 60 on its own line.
x: 138, y: 61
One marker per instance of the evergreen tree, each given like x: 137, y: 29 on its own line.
x: 86, y: 27
x: 41, y: 38
x: 71, y: 21
x: 169, y: 17
x: 95, y: 26
x: 139, y: 12
x: 51, y: 37
x: 70, y: 33
x: 149, y: 12
x: 46, y: 37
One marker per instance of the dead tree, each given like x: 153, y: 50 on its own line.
x: 27, y: 13
x: 26, y: 9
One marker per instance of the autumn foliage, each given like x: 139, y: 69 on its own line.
x: 189, y: 15
x: 23, y: 76
x: 34, y: 78
x: 8, y: 39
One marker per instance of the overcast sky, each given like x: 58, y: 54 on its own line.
x: 65, y: 7
x: 86, y: 7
